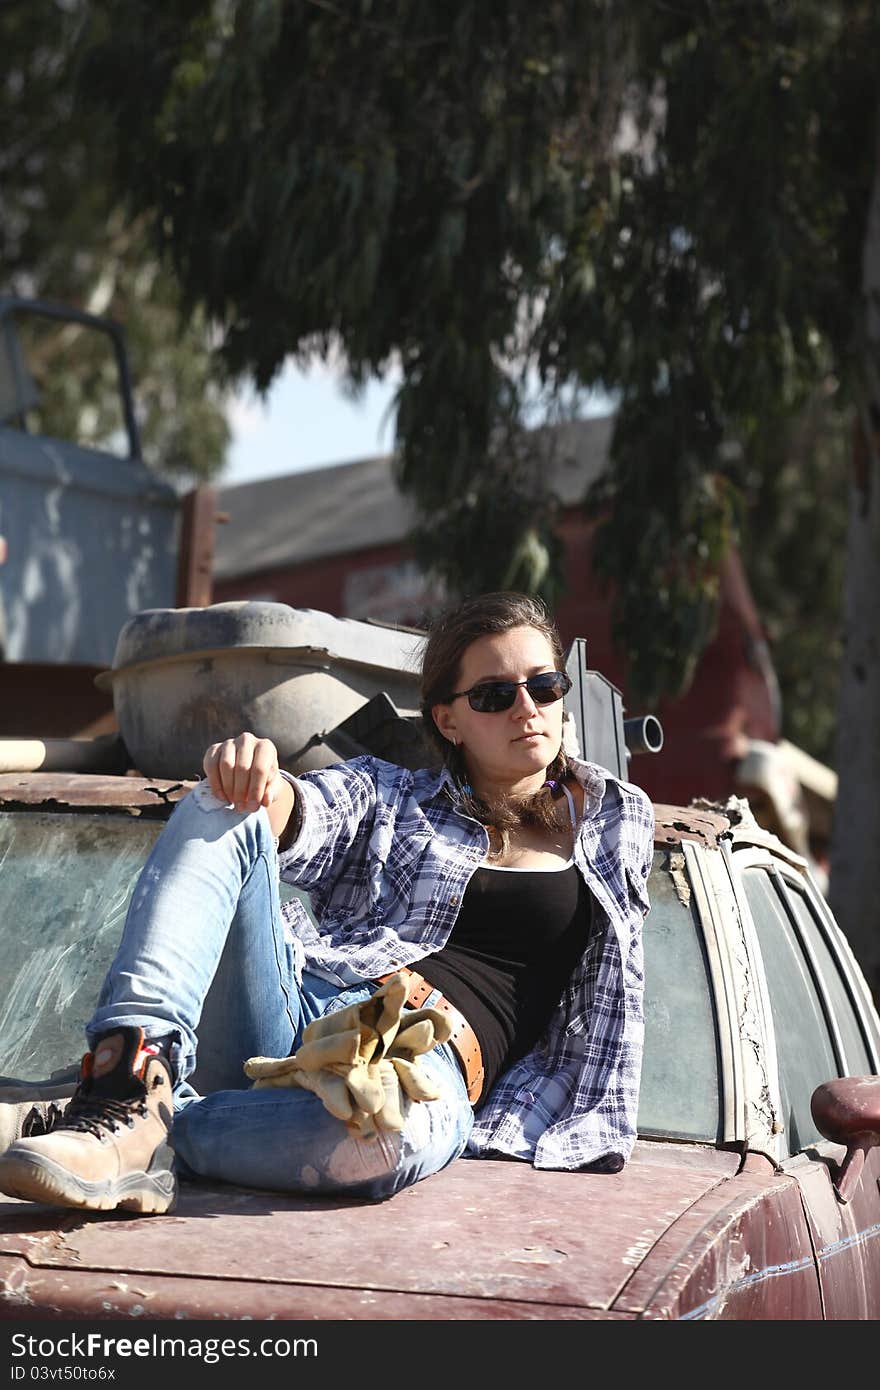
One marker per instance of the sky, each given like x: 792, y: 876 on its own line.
x: 306, y: 421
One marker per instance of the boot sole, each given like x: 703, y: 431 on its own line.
x: 34, y: 1178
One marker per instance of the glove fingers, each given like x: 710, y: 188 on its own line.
x: 365, y: 1086
x: 334, y: 1050
x: 416, y: 1038
x: 391, y: 1114
x: 415, y: 1080
x: 442, y: 1025
x: 383, y: 1009
x: 271, y: 1071
x: 342, y: 1021
x: 330, y: 1089
x: 363, y: 1125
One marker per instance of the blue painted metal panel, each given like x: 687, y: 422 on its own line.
x: 92, y: 539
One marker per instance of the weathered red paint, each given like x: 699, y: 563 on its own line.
x: 842, y: 1233
x: 50, y: 1294
x: 481, y: 1239
x: 847, y: 1107
x: 742, y: 1251
x: 81, y: 790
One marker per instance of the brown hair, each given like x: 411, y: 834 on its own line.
x: 449, y: 637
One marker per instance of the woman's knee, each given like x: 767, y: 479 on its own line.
x: 280, y: 1139
x: 285, y: 1141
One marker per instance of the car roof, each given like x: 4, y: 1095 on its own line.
x: 482, y: 1238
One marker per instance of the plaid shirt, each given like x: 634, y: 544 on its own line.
x: 385, y: 858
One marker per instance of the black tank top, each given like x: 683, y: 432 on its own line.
x: 516, y: 941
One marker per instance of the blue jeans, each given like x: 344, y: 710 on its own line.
x: 205, y: 958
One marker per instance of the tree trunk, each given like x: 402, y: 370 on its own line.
x: 855, y: 851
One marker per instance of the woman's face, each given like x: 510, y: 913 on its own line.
x: 512, y: 746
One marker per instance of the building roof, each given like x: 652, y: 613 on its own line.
x: 352, y: 506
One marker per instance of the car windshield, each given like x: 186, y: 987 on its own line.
x: 64, y: 890
x: 65, y: 887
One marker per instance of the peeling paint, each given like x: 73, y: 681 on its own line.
x: 735, y: 1273
x: 679, y: 879
x: 130, y: 1288
x: 761, y: 1116
x: 673, y: 824
x: 761, y: 1120
x: 636, y: 1252
x: 535, y: 1254
x: 14, y: 1289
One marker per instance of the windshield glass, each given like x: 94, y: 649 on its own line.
x: 680, y: 1092
x: 64, y: 890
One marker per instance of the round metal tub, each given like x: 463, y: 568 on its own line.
x: 183, y: 678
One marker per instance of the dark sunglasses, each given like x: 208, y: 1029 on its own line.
x: 491, y: 697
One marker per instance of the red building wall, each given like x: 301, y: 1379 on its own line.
x: 732, y: 696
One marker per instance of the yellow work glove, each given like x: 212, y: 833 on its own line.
x: 362, y: 1062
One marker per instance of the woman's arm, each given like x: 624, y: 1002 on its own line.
x: 244, y: 771
x: 316, y: 818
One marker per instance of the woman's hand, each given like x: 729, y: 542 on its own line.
x: 244, y: 771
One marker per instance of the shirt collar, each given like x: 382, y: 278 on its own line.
x: 434, y: 781
x: 594, y: 780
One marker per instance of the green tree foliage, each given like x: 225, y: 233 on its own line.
x: 731, y: 280
x: 63, y: 236
x: 794, y: 549
x: 396, y: 179
x: 666, y: 201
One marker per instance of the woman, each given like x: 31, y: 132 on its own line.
x: 511, y: 883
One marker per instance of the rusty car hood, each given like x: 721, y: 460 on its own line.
x: 482, y: 1239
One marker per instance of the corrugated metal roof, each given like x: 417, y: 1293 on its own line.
x: 352, y: 506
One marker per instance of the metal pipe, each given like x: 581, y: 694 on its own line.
x: 643, y: 735
x: 106, y: 753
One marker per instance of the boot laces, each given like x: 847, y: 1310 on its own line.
x: 36, y: 1122
x: 91, y: 1114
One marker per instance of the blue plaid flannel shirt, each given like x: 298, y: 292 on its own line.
x: 385, y: 858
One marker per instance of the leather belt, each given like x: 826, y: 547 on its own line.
x: 463, y: 1039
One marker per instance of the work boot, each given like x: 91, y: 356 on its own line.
x: 110, y: 1146
x: 31, y: 1107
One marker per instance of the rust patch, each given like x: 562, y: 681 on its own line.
x: 93, y: 791
x: 672, y: 824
